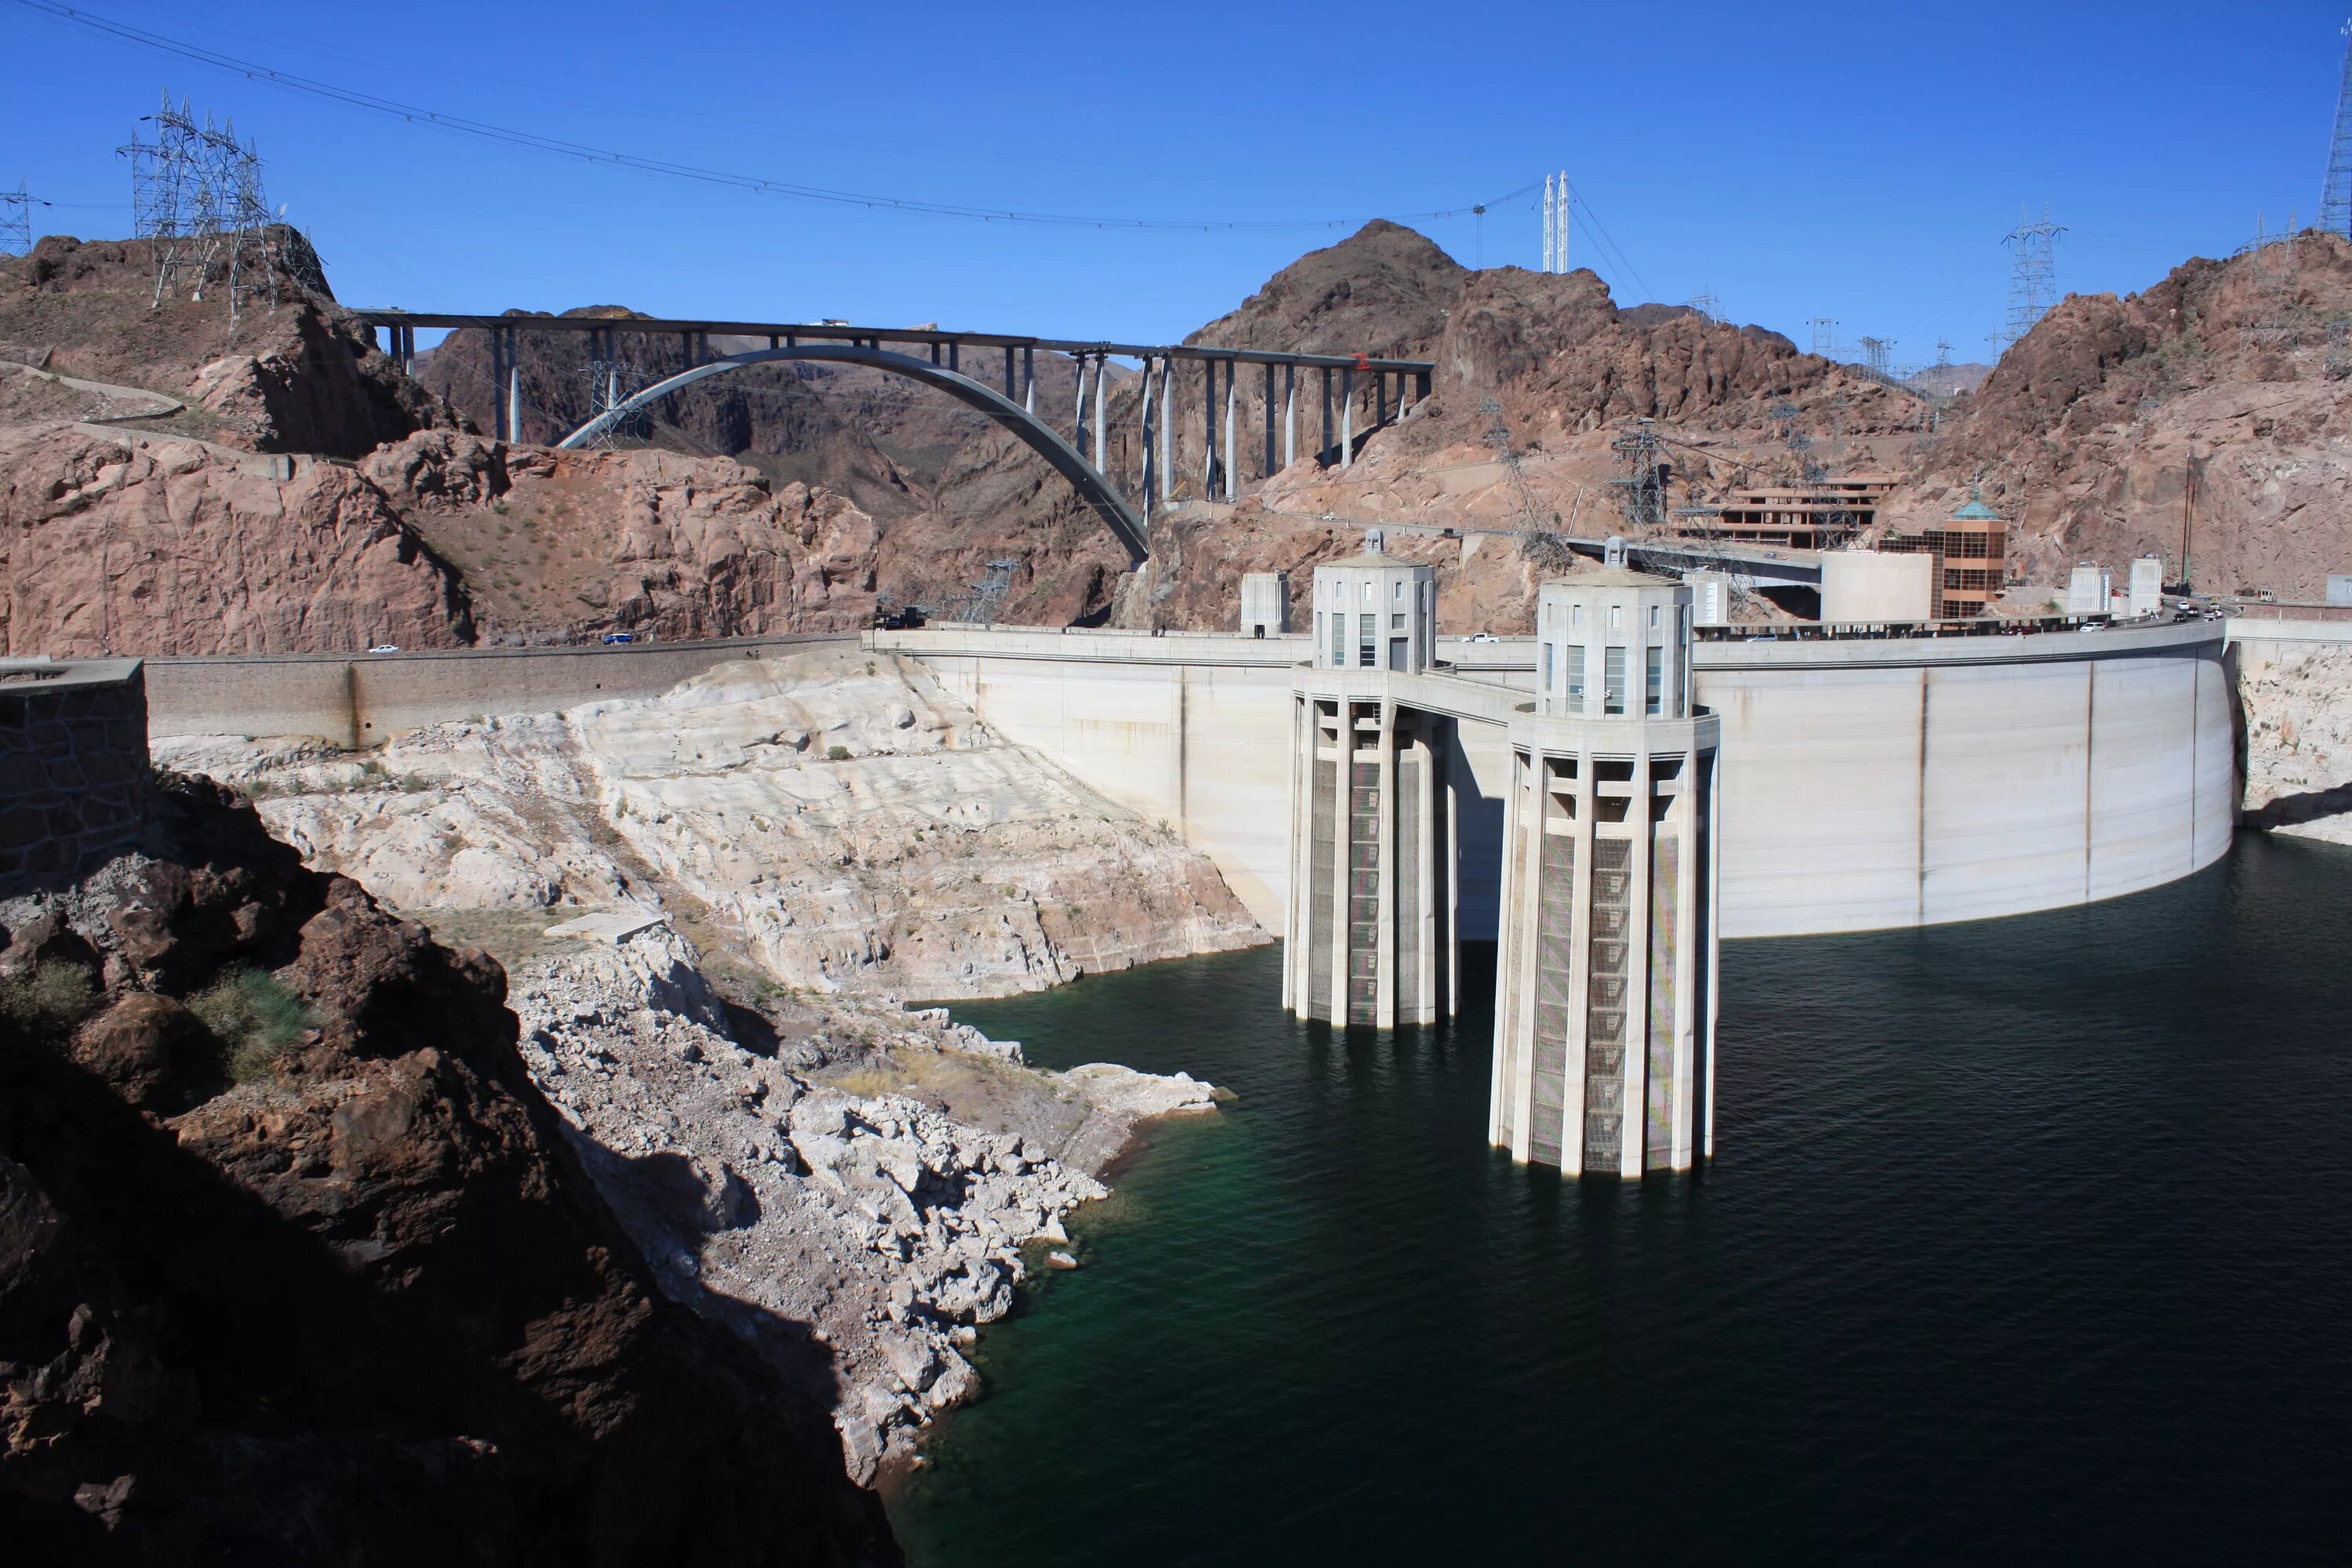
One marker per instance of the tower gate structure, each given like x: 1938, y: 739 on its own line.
x: 1372, y: 936
x: 1605, y: 990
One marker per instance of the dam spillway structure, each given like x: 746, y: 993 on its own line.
x: 1608, y: 926
x: 1371, y: 938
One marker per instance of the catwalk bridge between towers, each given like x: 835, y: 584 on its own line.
x: 995, y: 374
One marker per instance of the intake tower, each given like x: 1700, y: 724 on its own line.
x: 1605, y: 1004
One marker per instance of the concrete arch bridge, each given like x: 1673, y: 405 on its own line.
x: 1125, y: 500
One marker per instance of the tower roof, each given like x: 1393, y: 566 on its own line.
x: 1976, y: 511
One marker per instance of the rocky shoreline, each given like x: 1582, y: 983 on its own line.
x: 857, y: 1239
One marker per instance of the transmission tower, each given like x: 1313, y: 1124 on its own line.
x: 1554, y: 222
x: 1943, y: 352
x: 16, y: 221
x: 990, y: 591
x: 1824, y: 336
x: 1876, y: 353
x: 2336, y: 195
x: 1706, y: 304
x: 611, y: 383
x: 1641, y: 490
x: 2033, y: 280
x: 196, y: 199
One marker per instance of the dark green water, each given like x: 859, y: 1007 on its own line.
x: 2029, y: 1239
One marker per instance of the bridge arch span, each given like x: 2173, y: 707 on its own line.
x: 1108, y: 504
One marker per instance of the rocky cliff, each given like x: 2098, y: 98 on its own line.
x: 292, y: 374
x: 296, y: 1264
x: 2207, y: 411
x: 124, y: 543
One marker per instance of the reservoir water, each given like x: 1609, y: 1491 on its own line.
x: 2026, y: 1239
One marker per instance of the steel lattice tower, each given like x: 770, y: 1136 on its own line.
x: 2335, y: 197
x: 2033, y: 281
x: 196, y: 198
x: 16, y: 221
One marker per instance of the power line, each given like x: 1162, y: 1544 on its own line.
x: 1602, y: 232
x: 531, y: 140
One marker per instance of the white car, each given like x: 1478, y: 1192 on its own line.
x: 1482, y: 636
x: 386, y: 647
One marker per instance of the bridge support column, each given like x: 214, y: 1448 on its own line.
x: 1008, y: 372
x: 1102, y: 415
x: 1167, y: 427
x: 1269, y: 471
x: 498, y: 380
x: 1347, y: 417
x: 1289, y: 414
x: 1379, y: 399
x: 1029, y: 378
x: 1208, y: 429
x: 1233, y: 478
x: 514, y: 398
x: 1150, y: 463
x: 1326, y: 410
x: 1078, y: 420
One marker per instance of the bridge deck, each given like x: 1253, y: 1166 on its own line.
x: 830, y: 331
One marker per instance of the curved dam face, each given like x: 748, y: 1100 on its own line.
x: 1912, y: 781
x: 1866, y: 783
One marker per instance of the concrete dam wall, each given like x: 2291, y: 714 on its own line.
x: 1866, y: 783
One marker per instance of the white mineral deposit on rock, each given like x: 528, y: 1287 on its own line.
x: 934, y: 861
x: 802, y: 1211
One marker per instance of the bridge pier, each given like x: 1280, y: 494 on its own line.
x: 1102, y: 415
x: 1167, y: 427
x: 1233, y: 478
x: 1268, y: 471
x: 1289, y: 414
x: 1078, y: 419
x: 1029, y: 378
x: 1149, y: 464
x: 1604, y: 1009
x: 1347, y: 417
x: 1326, y: 447
x: 1208, y: 429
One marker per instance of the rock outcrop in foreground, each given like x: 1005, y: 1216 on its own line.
x: 296, y: 1264
x: 776, y: 1184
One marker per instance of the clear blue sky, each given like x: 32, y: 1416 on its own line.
x: 1859, y: 160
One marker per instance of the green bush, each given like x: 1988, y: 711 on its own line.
x: 837, y: 753
x: 43, y: 1006
x: 256, y: 1019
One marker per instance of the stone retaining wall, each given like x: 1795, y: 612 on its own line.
x: 73, y: 766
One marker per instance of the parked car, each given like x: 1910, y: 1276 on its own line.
x: 618, y: 637
x: 1483, y: 637
x: 386, y: 647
